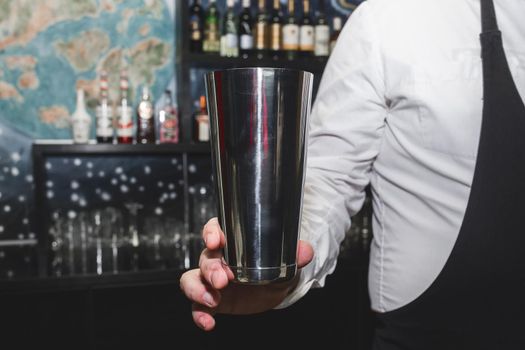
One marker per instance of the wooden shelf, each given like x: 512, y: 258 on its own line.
x: 75, y: 282
x: 209, y: 61
x: 119, y: 149
x: 358, y: 260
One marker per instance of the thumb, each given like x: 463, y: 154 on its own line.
x: 305, y: 253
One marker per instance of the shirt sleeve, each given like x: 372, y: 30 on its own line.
x: 345, y: 131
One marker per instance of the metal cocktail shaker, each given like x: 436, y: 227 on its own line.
x: 258, y: 126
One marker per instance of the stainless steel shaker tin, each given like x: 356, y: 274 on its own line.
x: 258, y: 126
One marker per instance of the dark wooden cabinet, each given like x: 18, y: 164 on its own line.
x: 154, y: 314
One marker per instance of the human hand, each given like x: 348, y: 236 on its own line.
x: 211, y: 292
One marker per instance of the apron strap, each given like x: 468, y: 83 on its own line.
x: 488, y: 17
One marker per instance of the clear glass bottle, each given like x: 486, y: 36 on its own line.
x: 145, y: 119
x: 124, y: 112
x: 104, y: 112
x: 168, y: 121
x: 81, y: 120
x: 202, y: 122
x: 229, y: 36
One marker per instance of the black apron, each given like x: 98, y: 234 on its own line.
x: 478, y: 299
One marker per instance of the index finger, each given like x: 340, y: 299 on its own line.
x: 212, y: 235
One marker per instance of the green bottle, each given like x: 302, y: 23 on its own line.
x: 211, y: 42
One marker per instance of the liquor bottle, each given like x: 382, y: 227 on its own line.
x: 81, y: 120
x: 124, y: 112
x: 229, y: 37
x: 261, y: 30
x: 276, y: 22
x: 145, y: 119
x: 196, y: 26
x: 321, y: 33
x: 211, y: 42
x: 335, y: 33
x: 291, y: 33
x: 245, y: 30
x: 202, y: 122
x: 168, y: 121
x: 104, y: 113
x: 306, y: 32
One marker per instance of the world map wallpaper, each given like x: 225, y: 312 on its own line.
x: 48, y: 49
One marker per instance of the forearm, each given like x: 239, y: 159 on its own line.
x: 346, y: 129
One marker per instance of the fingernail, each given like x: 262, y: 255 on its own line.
x: 202, y: 322
x: 208, y: 299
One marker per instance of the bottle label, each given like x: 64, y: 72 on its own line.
x: 81, y: 130
x: 229, y: 45
x: 246, y: 42
x: 276, y: 37
x: 104, y: 121
x: 204, y: 129
x: 125, y: 122
x: 195, y: 28
x: 260, y: 40
x: 291, y: 37
x: 169, y: 126
x: 231, y: 41
x: 212, y: 39
x: 322, y: 39
x: 145, y: 110
x: 306, y: 38
x: 212, y: 34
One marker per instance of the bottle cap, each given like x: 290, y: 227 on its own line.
x: 80, y: 96
x: 103, y: 80
x: 145, y: 92
x: 124, y: 84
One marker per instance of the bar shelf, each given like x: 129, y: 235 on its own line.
x: 45, y: 149
x: 207, y: 61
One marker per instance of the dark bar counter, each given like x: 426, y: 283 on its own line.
x: 147, y: 309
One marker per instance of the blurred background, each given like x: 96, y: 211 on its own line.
x: 105, y: 169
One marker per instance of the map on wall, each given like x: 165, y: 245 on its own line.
x: 49, y: 48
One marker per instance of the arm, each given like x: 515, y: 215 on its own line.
x: 346, y: 128
x: 345, y: 133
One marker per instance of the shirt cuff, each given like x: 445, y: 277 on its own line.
x: 303, y: 286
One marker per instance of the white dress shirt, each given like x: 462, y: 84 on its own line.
x: 399, y: 107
